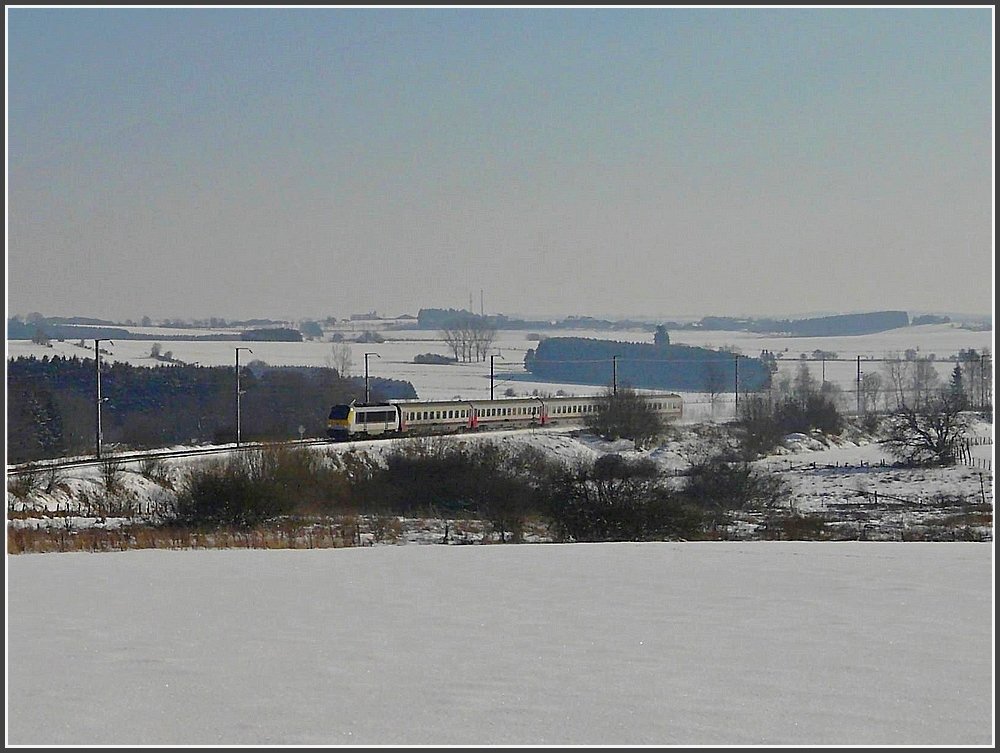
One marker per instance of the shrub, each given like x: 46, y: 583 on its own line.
x: 155, y: 469
x: 719, y: 487
x: 434, y: 358
x: 616, y: 499
x: 112, y: 469
x: 625, y: 414
x: 23, y: 485
x: 246, y: 489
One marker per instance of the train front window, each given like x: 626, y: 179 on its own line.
x: 340, y: 412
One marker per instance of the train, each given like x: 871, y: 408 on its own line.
x: 403, y: 417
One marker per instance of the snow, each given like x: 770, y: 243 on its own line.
x: 472, y: 380
x: 821, y: 471
x: 669, y: 643
x: 763, y: 643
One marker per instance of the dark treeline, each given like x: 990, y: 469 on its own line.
x: 41, y: 329
x: 51, y: 404
x: 820, y: 326
x: 643, y: 365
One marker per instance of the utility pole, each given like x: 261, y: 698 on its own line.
x: 238, y: 393
x: 614, y: 374
x: 97, y: 368
x: 982, y: 381
x: 736, y: 385
x: 492, y: 356
x: 367, y: 391
x: 859, y: 385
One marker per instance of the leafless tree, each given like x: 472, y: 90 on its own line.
x: 930, y: 432
x: 469, y: 337
x: 977, y: 376
x: 714, y: 380
x: 340, y: 359
x: 871, y: 391
x: 911, y: 381
x: 924, y: 381
x: 804, y: 385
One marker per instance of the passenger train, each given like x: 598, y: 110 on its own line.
x: 397, y: 417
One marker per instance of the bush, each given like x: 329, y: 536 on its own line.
x: 434, y: 358
x: 23, y: 485
x: 625, y: 414
x: 719, y: 487
x: 616, y: 499
x: 251, y: 487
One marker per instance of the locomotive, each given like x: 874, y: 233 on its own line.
x: 400, y: 417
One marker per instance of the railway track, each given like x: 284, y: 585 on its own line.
x: 191, y: 452
x: 136, y: 457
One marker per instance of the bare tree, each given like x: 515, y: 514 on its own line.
x: 871, y: 391
x: 469, y: 337
x: 340, y: 359
x: 924, y: 381
x: 896, y: 372
x: 933, y: 431
x: 483, y: 335
x: 977, y: 376
x: 714, y: 380
x: 804, y: 385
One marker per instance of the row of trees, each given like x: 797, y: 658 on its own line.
x: 924, y: 421
x: 51, y: 404
x: 468, y: 336
x: 910, y: 381
x: 933, y: 430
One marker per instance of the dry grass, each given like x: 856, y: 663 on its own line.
x: 280, y: 535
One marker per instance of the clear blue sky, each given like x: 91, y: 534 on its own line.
x: 653, y: 161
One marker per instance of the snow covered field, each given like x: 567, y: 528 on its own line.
x: 758, y: 643
x: 694, y: 643
x: 436, y: 382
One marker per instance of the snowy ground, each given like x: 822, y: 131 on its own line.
x: 713, y: 643
x: 722, y: 643
x: 472, y: 380
x: 842, y: 477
